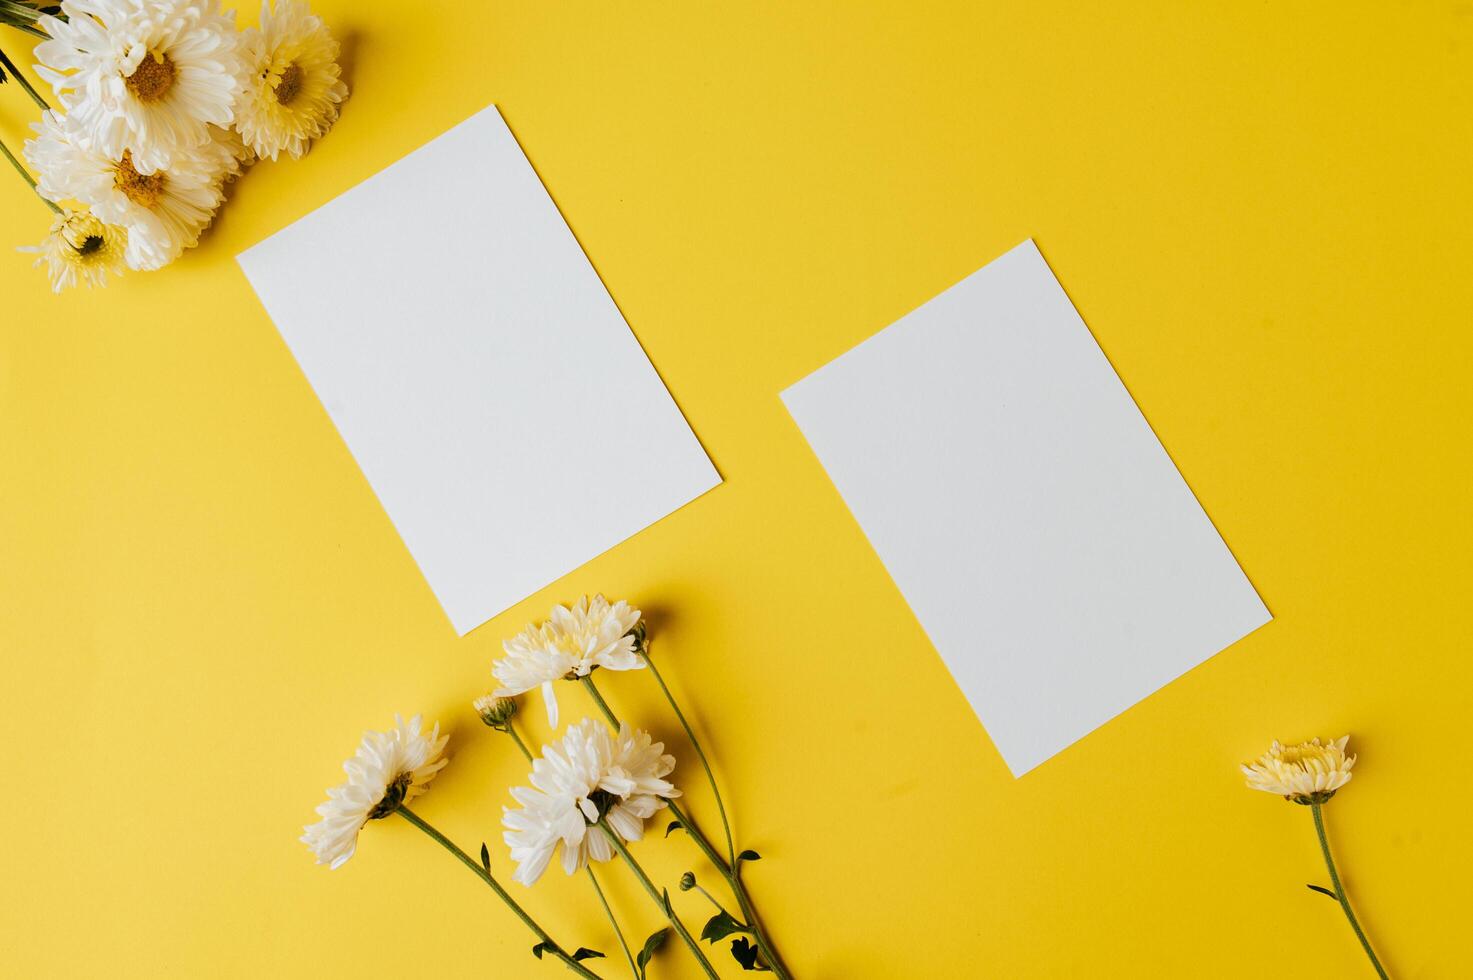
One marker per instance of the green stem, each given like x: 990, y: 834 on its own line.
x: 18, y: 14
x: 465, y: 859
x: 598, y: 699
x: 731, y: 871
x: 9, y: 66
x: 754, y: 921
x: 518, y: 739
x: 613, y: 922
x: 20, y: 169
x: 602, y: 900
x: 713, y: 901
x: 659, y: 900
x: 700, y: 752
x: 1319, y: 828
x: 23, y: 18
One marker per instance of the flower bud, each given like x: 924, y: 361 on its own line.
x: 494, y: 711
x: 687, y: 881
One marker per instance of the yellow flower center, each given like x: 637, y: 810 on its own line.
x: 90, y: 244
x: 143, y: 190
x: 289, y: 84
x: 1299, y: 755
x: 152, y: 79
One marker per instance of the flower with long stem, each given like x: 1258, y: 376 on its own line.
x: 388, y: 770
x: 497, y: 713
x: 731, y: 870
x: 591, y: 792
x: 1310, y: 774
x: 573, y: 642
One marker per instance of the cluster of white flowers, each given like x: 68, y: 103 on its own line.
x: 591, y: 776
x: 165, y: 101
x: 591, y: 790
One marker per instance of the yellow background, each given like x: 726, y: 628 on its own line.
x: 1262, y: 211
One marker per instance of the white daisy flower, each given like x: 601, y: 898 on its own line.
x: 145, y: 77
x: 80, y: 250
x: 587, y: 777
x: 568, y: 646
x: 164, y: 211
x: 293, y: 87
x: 388, y: 770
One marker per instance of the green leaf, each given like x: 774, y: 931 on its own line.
x: 485, y: 858
x: 584, y: 953
x: 665, y: 894
x: 744, y: 953
x: 651, y: 944
x: 538, y: 950
x: 674, y: 826
x: 748, y: 856
x: 1323, y: 891
x: 721, y: 925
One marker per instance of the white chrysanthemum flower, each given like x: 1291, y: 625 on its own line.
x: 388, y: 770
x: 587, y: 777
x: 164, y: 211
x: 230, y: 154
x: 80, y: 250
x: 1305, y: 773
x: 591, y: 634
x: 293, y: 88
x: 145, y: 77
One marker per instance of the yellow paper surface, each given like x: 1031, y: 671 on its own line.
x: 1263, y: 213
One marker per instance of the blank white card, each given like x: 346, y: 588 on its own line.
x: 478, y: 370
x: 1045, y: 541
